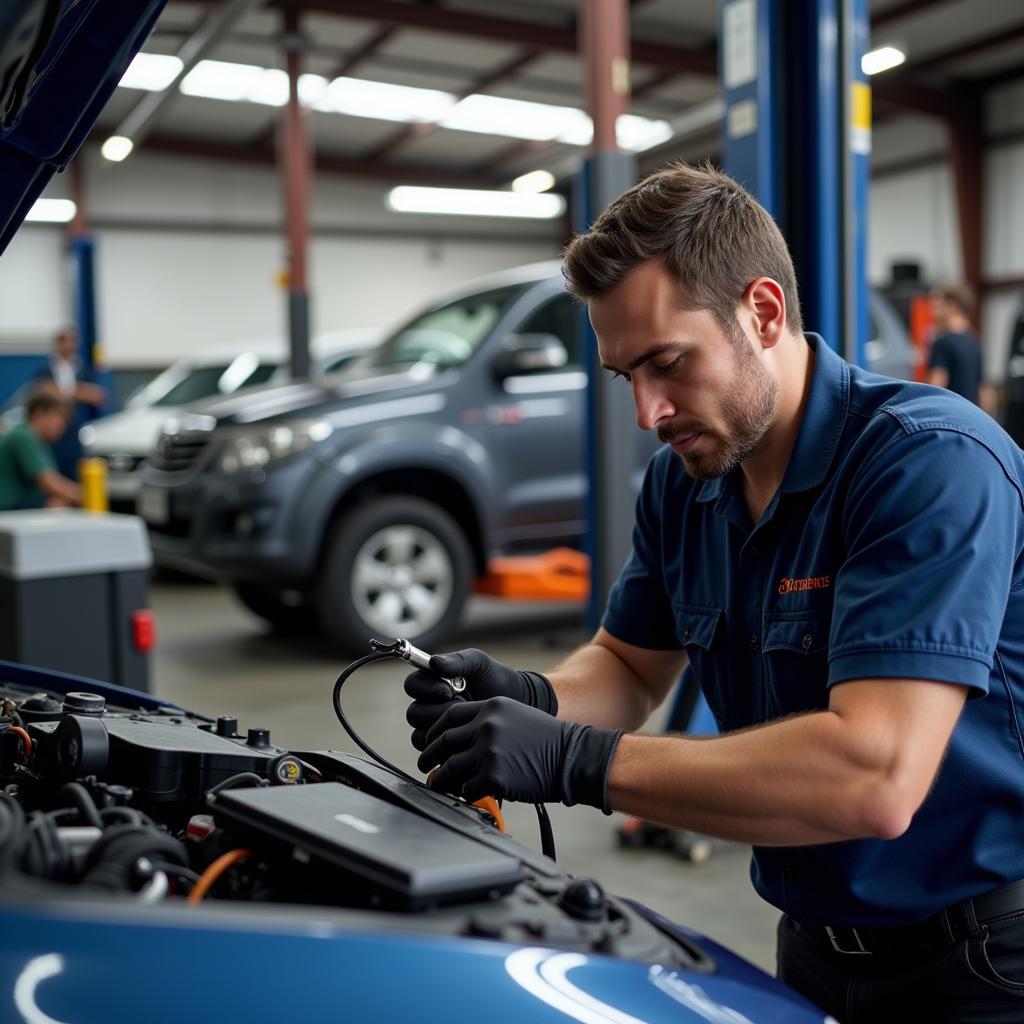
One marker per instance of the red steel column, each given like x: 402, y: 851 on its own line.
x: 606, y: 174
x: 296, y: 164
x: 966, y: 142
x: 604, y: 42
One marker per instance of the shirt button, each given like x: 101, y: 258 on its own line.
x: 755, y: 641
x: 686, y: 633
x: 754, y: 551
x: 808, y: 641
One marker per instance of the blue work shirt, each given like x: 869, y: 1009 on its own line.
x: 892, y: 549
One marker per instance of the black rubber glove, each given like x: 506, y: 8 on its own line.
x: 504, y: 749
x: 485, y: 678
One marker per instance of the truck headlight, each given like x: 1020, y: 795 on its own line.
x: 254, y: 447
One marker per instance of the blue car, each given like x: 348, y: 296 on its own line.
x: 157, y: 865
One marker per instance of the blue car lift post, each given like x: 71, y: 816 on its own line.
x: 797, y: 134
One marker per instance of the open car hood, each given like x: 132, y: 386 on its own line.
x: 59, y: 62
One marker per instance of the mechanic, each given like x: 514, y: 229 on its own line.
x: 28, y: 471
x: 955, y: 359
x: 839, y: 555
x: 65, y: 375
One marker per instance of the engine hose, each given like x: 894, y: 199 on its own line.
x: 547, y: 837
x: 84, y: 802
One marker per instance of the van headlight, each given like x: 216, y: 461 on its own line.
x: 254, y: 447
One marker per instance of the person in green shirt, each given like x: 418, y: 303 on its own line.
x: 28, y: 471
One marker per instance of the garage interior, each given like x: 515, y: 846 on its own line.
x: 240, y: 213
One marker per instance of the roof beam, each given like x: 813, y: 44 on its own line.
x: 904, y: 10
x: 140, y: 120
x: 249, y: 154
x: 529, y: 34
x: 415, y: 132
x: 989, y: 42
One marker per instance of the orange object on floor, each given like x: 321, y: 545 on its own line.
x: 562, y: 574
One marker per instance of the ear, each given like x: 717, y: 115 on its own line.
x: 764, y: 308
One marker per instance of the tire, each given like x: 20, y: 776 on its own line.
x: 393, y: 567
x: 274, y: 606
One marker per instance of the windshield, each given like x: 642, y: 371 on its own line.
x: 220, y: 379
x: 447, y: 335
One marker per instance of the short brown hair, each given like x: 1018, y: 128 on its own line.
x: 43, y: 402
x: 957, y: 292
x: 712, y: 233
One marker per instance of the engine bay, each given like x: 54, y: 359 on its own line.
x: 104, y: 801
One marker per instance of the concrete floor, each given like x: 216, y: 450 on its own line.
x: 215, y: 658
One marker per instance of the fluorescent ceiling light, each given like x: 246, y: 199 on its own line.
x: 116, y: 148
x: 220, y: 80
x: 359, y: 97
x: 474, y: 202
x: 151, y: 71
x: 535, y: 181
x: 52, y: 211
x: 635, y: 134
x: 881, y: 59
x: 519, y: 119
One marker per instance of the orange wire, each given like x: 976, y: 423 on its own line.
x: 214, y: 871
x: 490, y: 805
x: 26, y: 740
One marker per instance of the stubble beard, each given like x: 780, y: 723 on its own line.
x: 747, y: 411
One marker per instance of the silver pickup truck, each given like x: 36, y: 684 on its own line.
x: 370, y: 501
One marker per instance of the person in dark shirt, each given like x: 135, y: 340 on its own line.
x: 65, y: 375
x: 955, y: 362
x: 28, y: 471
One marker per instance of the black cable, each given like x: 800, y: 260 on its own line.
x: 126, y: 814
x: 356, y: 739
x: 547, y: 836
x: 238, y: 780
x: 176, y: 869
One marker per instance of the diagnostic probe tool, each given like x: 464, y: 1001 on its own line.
x: 420, y: 659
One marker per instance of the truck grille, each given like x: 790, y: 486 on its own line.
x: 175, y: 452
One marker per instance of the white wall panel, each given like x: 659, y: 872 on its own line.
x: 913, y: 217
x: 35, y: 287
x: 1004, y: 212
x: 165, y: 294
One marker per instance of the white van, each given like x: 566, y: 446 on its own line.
x: 126, y: 438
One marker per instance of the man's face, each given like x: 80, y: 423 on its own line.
x: 943, y: 312
x: 50, y: 426
x: 703, y: 389
x: 67, y: 345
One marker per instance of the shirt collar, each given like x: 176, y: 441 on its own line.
x: 820, y: 431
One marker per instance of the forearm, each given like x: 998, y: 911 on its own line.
x: 53, y: 485
x: 596, y: 687
x: 797, y: 781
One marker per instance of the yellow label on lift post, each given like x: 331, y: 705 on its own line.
x: 860, y: 117
x: 92, y: 474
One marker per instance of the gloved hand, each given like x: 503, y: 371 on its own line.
x: 485, y: 678
x: 504, y: 749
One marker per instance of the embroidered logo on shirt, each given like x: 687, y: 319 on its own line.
x: 790, y: 586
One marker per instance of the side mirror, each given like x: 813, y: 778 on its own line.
x: 529, y: 353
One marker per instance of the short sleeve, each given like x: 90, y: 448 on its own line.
x: 639, y: 609
x: 941, y: 357
x: 933, y: 533
x: 32, y: 456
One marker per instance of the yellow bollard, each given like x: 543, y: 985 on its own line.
x: 92, y: 474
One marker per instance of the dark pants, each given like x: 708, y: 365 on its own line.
x: 980, y: 979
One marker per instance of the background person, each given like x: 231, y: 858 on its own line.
x: 29, y: 477
x: 955, y: 361
x: 841, y: 559
x: 65, y: 375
